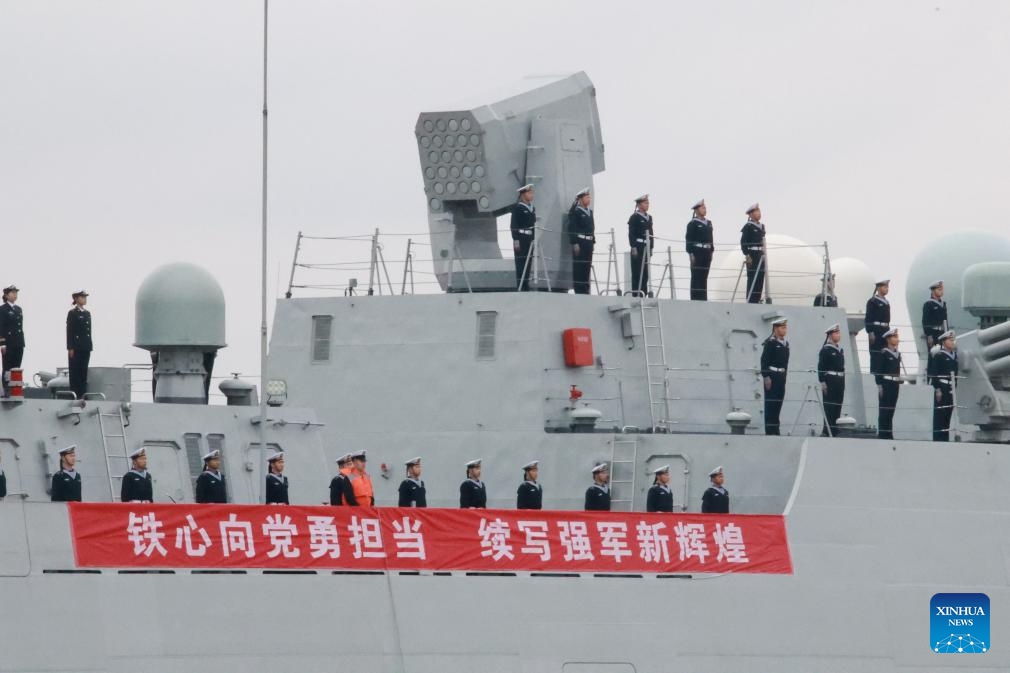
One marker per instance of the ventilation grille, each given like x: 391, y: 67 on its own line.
x: 486, y: 324
x: 322, y: 326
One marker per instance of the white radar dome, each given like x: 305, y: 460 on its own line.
x: 853, y: 283
x: 796, y: 272
x: 180, y: 304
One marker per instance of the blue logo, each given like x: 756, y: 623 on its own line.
x: 959, y: 623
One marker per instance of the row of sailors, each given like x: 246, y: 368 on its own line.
x: 352, y: 486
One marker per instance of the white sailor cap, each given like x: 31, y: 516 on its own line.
x: 885, y: 281
x: 216, y: 453
x: 413, y: 461
x: 891, y: 332
x: 834, y: 328
x: 142, y: 451
x: 716, y: 471
x: 949, y: 334
x: 70, y: 449
x: 753, y: 208
x: 359, y: 455
x: 276, y: 455
x: 582, y: 193
x: 473, y: 463
x: 11, y: 288
x: 661, y: 470
x: 698, y: 205
x: 524, y: 188
x: 344, y: 458
x: 780, y: 321
x: 531, y: 465
x: 936, y: 284
x: 602, y: 467
x: 643, y: 197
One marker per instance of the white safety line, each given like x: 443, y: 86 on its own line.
x: 797, y: 480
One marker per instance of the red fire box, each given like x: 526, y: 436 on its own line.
x: 578, y: 342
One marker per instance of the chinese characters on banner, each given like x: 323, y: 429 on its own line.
x: 358, y: 538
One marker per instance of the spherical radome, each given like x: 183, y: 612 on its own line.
x: 853, y: 283
x: 795, y: 277
x: 180, y: 304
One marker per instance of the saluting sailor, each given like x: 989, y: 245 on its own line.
x: 412, y: 490
x: 700, y: 247
x: 877, y: 322
x: 831, y: 374
x: 827, y: 296
x: 472, y: 492
x: 138, y: 486
x: 66, y: 485
x: 643, y: 243
x: 715, y: 499
x: 523, y: 226
x: 660, y: 496
x: 530, y: 494
x: 934, y: 315
x: 12, y: 334
x: 277, y: 483
x: 598, y: 493
x: 79, y: 344
x: 944, y: 379
x: 210, y: 486
x: 752, y: 244
x: 889, y: 382
x: 774, y: 366
x: 582, y: 237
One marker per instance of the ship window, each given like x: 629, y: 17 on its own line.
x: 194, y: 456
x: 322, y: 326
x: 486, y: 324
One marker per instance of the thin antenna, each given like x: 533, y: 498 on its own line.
x: 263, y: 269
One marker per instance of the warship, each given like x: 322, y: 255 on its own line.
x: 859, y: 532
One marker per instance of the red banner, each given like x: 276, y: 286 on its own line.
x: 357, y: 538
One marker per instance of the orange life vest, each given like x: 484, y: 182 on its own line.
x: 361, y: 485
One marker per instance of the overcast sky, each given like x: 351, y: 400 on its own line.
x: 130, y: 131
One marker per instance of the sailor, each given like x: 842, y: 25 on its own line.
x: 831, y: 374
x: 582, y: 237
x: 774, y: 366
x: 715, y: 499
x: 523, y: 225
x: 944, y: 379
x: 598, y: 493
x: 412, y: 491
x: 137, y: 483
x: 337, y: 484
x: 210, y: 486
x: 660, y: 497
x: 889, y: 381
x: 530, y: 494
x: 643, y: 243
x: 358, y: 491
x: 66, y: 485
x: 79, y: 343
x: 752, y: 243
x: 827, y: 297
x: 699, y: 249
x: 3, y: 483
x: 472, y: 492
x: 934, y: 315
x: 12, y: 333
x: 877, y: 321
x: 277, y: 483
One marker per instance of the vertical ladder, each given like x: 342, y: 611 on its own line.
x: 655, y: 365
x: 113, y: 428
x: 623, y: 460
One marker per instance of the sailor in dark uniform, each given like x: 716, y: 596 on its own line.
x: 715, y: 499
x: 752, y: 244
x: 530, y: 494
x: 210, y: 486
x: 877, y: 321
x: 934, y: 315
x: 582, y: 237
x: 774, y: 366
x: 831, y: 374
x: 12, y: 334
x: 79, y: 344
x: 660, y: 496
x: 412, y: 491
x: 277, y: 483
x: 889, y: 382
x: 827, y: 296
x: 944, y: 379
x: 598, y: 493
x: 3, y: 483
x: 337, y: 483
x: 523, y: 226
x: 66, y: 486
x: 137, y: 483
x: 699, y: 249
x: 643, y: 243
x: 472, y: 492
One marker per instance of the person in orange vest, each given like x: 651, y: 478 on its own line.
x: 358, y: 490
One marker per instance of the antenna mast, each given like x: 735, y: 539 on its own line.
x: 263, y: 269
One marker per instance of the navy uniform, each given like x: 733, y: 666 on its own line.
x: 700, y: 246
x: 581, y: 232
x: 660, y: 496
x: 831, y: 374
x: 66, y: 485
x: 774, y: 366
x: 523, y: 226
x: 934, y: 316
x: 3, y: 484
x: 412, y: 490
x: 827, y: 297
x: 337, y: 483
x: 277, y: 483
x: 643, y: 243
x: 877, y: 321
x: 752, y: 244
x: 944, y: 379
x: 12, y: 334
x: 889, y: 384
x: 598, y: 493
x: 210, y: 486
x: 530, y: 494
x: 472, y: 492
x: 715, y: 499
x: 138, y: 486
x: 79, y: 343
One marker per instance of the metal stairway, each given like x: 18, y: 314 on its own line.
x: 113, y: 428
x: 655, y: 365
x: 623, y: 460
